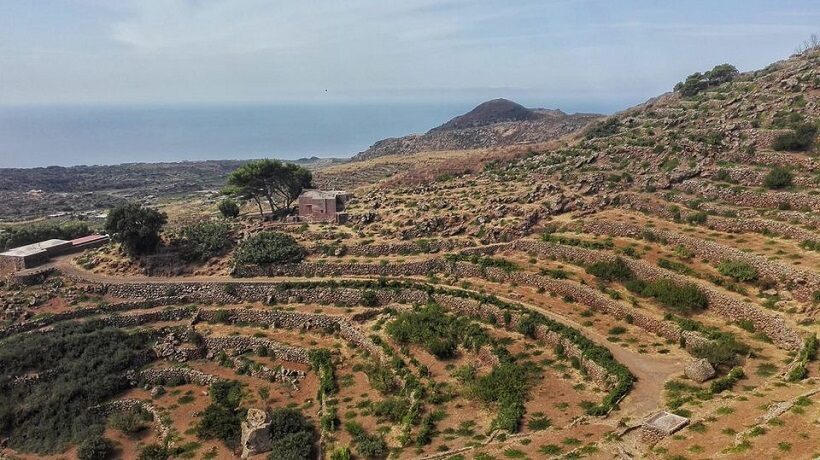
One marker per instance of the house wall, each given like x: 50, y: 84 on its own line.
x: 317, y: 210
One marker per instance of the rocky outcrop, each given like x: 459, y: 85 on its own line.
x: 699, y: 370
x: 256, y: 434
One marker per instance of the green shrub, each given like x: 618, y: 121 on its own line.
x: 800, y: 138
x: 228, y: 208
x: 506, y: 386
x: 292, y: 436
x: 95, y: 448
x: 727, y: 381
x: 130, y: 421
x: 737, y: 270
x: 697, y: 217
x: 698, y: 82
x: 616, y: 270
x: 204, y: 240
x: 222, y: 418
x: 439, y: 332
x: 683, y: 298
x: 606, y: 128
x: 136, y: 227
x: 269, y: 248
x: 778, y: 178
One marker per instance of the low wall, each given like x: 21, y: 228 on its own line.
x: 803, y: 284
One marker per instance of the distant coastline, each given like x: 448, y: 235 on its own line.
x: 41, y: 136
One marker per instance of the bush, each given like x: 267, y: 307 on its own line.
x: 606, y: 128
x: 616, y: 270
x: 223, y: 417
x: 799, y: 139
x: 778, y: 178
x: 95, y: 448
x: 696, y: 217
x: 204, y: 240
x: 269, y: 248
x: 292, y: 435
x: 506, y: 386
x: 698, y: 82
x: 13, y: 236
x: 228, y: 208
x: 131, y: 421
x: 737, y: 270
x: 136, y: 227
x: 438, y: 332
x: 154, y: 452
x: 727, y: 382
x: 683, y: 298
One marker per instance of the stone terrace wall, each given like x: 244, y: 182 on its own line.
x: 37, y: 323
x: 801, y: 283
x: 724, y: 224
x: 162, y: 375
x: 750, y: 198
x: 241, y: 344
x: 294, y: 320
x: 724, y: 305
x: 122, y: 405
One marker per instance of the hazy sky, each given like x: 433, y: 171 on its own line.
x: 583, y: 55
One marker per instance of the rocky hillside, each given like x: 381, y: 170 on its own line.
x: 494, y: 123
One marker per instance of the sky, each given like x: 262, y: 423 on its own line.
x: 595, y: 55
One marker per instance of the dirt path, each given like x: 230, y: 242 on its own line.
x: 650, y: 371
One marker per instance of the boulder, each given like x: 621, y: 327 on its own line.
x: 256, y: 436
x: 699, y: 370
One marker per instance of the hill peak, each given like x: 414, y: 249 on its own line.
x: 490, y: 112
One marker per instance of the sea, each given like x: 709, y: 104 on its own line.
x: 35, y: 136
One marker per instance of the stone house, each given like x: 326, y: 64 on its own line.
x: 323, y: 206
x: 32, y: 255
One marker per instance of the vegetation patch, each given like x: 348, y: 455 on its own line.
x: 267, y: 248
x: 88, y: 362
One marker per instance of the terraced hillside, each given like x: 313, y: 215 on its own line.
x: 542, y: 301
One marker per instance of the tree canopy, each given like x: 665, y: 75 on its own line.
x: 698, y: 82
x: 271, y: 181
x: 136, y: 227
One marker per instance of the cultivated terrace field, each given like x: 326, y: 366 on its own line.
x: 529, y: 301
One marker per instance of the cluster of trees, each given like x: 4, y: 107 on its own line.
x: 292, y: 436
x: 269, y: 248
x: 268, y: 181
x: 90, y: 361
x: 698, y: 82
x: 506, y: 386
x: 12, y: 237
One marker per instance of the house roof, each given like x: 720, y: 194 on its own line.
x: 34, y: 248
x: 323, y: 194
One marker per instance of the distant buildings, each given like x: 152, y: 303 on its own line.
x: 323, y: 206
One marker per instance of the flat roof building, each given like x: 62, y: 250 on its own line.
x: 323, y: 206
x: 32, y: 255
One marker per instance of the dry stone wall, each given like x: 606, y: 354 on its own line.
x: 750, y: 198
x: 803, y: 284
x: 123, y: 405
x: 724, y: 224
